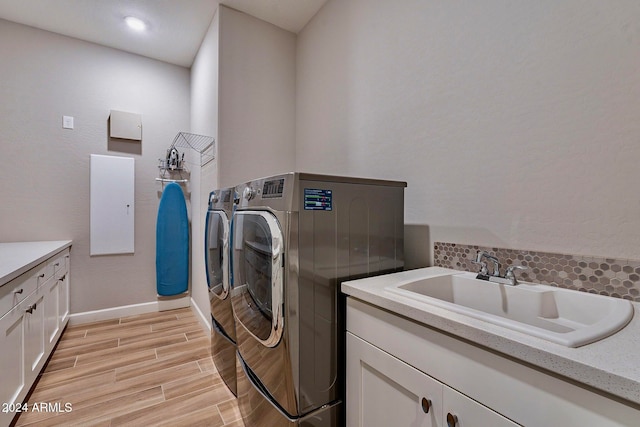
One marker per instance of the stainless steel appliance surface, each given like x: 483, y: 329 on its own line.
x: 295, y: 238
x: 218, y: 267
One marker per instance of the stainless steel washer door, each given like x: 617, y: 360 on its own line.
x: 216, y: 249
x: 258, y: 273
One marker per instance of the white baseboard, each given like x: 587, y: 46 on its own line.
x: 134, y: 309
x: 129, y: 310
x: 173, y: 302
x: 202, y: 318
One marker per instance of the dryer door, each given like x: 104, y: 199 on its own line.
x: 216, y: 250
x: 258, y: 273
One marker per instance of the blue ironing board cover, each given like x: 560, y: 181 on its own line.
x: 172, y: 242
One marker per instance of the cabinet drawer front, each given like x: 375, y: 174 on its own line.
x: 61, y: 264
x: 12, y: 293
x: 48, y: 271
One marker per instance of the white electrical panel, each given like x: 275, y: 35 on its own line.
x: 112, y: 205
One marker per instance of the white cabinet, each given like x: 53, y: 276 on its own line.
x: 63, y: 283
x: 56, y: 299
x: 384, y: 391
x: 12, y: 358
x: 461, y: 411
x: 393, y: 362
x: 33, y: 325
x: 35, y: 309
x: 51, y: 315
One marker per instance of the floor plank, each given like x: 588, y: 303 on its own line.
x: 75, y: 348
x: 124, y: 349
x: 149, y: 369
x: 167, y: 410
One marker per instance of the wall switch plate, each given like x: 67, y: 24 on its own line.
x: 67, y: 122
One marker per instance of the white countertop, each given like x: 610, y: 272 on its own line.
x: 18, y: 257
x: 611, y: 364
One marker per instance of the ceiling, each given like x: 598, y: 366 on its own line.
x: 175, y: 27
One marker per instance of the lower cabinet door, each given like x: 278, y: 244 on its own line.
x: 12, y: 381
x: 461, y: 411
x: 63, y: 308
x: 383, y: 391
x: 51, y: 312
x: 34, y: 340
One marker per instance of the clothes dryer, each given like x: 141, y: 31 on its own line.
x: 217, y: 262
x: 295, y: 238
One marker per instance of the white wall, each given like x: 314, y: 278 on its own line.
x: 257, y: 75
x: 204, y: 121
x: 45, y: 190
x: 515, y: 123
x: 243, y: 94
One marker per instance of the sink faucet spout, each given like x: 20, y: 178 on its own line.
x: 493, y: 259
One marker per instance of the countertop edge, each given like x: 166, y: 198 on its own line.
x: 38, y: 252
x: 530, y: 350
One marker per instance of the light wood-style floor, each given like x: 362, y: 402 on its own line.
x: 149, y: 370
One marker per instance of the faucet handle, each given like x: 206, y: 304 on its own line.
x: 510, y: 275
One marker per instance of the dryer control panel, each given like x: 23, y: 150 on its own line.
x: 273, y: 188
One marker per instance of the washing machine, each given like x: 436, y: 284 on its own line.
x: 295, y: 238
x: 218, y: 263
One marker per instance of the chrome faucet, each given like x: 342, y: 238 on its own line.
x: 483, y: 273
x: 509, y: 277
x: 483, y: 266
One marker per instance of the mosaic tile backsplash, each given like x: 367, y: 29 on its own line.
x: 604, y: 276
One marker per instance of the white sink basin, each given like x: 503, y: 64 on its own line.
x: 562, y: 316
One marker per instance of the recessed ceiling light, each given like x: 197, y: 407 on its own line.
x: 135, y: 23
